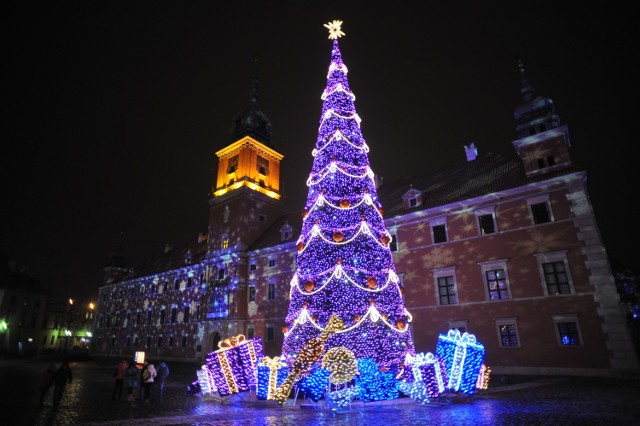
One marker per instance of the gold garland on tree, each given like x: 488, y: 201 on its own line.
x: 308, y: 355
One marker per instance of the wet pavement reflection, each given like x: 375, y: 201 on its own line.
x: 87, y: 400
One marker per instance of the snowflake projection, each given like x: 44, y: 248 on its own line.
x: 538, y: 243
x: 252, y: 308
x: 438, y: 258
x: 335, y: 32
x: 422, y: 227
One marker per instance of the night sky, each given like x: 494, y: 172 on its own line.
x: 116, y: 109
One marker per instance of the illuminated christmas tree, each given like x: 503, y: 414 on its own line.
x: 344, y: 263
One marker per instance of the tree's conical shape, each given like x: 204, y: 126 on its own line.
x: 344, y: 264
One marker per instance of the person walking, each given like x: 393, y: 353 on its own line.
x: 61, y: 377
x: 118, y: 375
x: 148, y: 376
x: 163, y: 372
x: 131, y: 380
x: 46, y: 383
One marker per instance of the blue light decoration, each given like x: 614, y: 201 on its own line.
x: 340, y: 399
x: 271, y: 373
x: 315, y: 383
x: 463, y: 357
x: 344, y: 263
x: 373, y: 384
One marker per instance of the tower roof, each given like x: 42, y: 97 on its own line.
x: 535, y: 114
x: 252, y: 121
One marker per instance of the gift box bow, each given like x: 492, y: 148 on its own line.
x: 420, y: 359
x: 231, y: 342
x: 465, y: 338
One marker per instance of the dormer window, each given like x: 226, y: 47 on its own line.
x: 225, y: 242
x: 286, y: 232
x: 412, y: 198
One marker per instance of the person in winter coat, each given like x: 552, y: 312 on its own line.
x: 131, y: 375
x: 148, y: 376
x: 119, y: 376
x: 46, y: 382
x: 163, y: 372
x: 61, y: 377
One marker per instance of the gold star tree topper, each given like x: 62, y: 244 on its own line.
x: 334, y: 29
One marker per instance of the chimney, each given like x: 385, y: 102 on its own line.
x: 202, y: 237
x: 168, y: 247
x: 472, y: 152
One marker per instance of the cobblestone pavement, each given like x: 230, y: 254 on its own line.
x: 529, y: 401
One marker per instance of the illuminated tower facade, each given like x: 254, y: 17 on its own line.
x: 246, y: 201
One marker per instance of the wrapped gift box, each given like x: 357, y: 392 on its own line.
x: 271, y: 373
x: 462, y: 356
x: 234, y: 366
x: 427, y: 369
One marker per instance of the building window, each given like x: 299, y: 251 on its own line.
x: 221, y: 273
x: 496, y: 279
x: 225, y: 243
x: 176, y: 284
x: 497, y: 284
x: 197, y: 312
x: 445, y: 286
x: 189, y: 282
x: 272, y: 263
x: 487, y: 224
x: 127, y: 320
x: 185, y: 317
x: 540, y: 210
x: 541, y: 163
x: 184, y: 340
x: 252, y: 294
x: 439, y: 233
x: 393, y: 244
x: 128, y: 341
x: 253, y: 267
x: 174, y: 315
x: 220, y: 308
x: 136, y: 340
x: 271, y: 291
x: 413, y: 202
x: 461, y: 326
x: 447, y: 291
x: 198, y: 348
x: 161, y: 316
x: 148, y: 342
x: 262, y: 165
x: 159, y: 341
x: 113, y: 341
x: 508, y: 332
x: 171, y: 341
x: 250, y: 332
x: 567, y: 330
x: 232, y: 166
x: 554, y: 270
x: 271, y: 333
x: 138, y: 318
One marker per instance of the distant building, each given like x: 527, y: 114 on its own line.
x: 504, y: 247
x: 23, y: 300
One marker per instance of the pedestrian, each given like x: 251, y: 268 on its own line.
x: 148, y: 376
x: 118, y: 375
x: 163, y: 372
x: 131, y: 380
x: 61, y: 377
x: 46, y: 383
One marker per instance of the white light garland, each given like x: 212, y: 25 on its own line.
x: 338, y: 136
x: 338, y: 88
